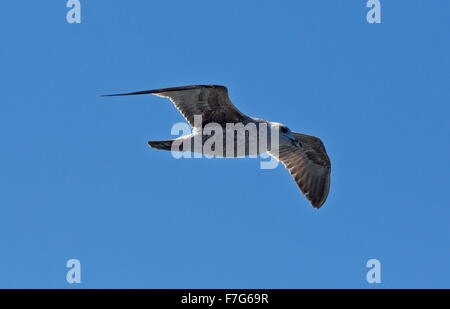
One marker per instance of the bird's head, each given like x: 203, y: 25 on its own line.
x: 284, y: 131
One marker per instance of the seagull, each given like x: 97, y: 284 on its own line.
x: 303, y: 155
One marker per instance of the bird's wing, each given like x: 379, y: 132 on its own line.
x: 209, y: 101
x: 309, y: 165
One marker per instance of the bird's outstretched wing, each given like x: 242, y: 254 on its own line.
x: 309, y: 165
x: 209, y: 101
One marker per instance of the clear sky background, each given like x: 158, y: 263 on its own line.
x: 78, y: 179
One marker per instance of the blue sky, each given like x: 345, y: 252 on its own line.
x: 79, y: 181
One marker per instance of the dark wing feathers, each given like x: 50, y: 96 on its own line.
x: 209, y: 101
x: 308, y: 164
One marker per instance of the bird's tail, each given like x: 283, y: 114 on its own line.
x: 163, y: 145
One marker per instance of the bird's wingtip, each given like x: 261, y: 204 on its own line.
x: 110, y: 95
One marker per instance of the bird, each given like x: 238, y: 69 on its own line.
x: 304, y: 156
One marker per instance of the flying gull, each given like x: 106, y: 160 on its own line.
x: 303, y: 155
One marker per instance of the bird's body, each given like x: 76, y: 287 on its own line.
x: 236, y: 139
x: 221, y: 130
